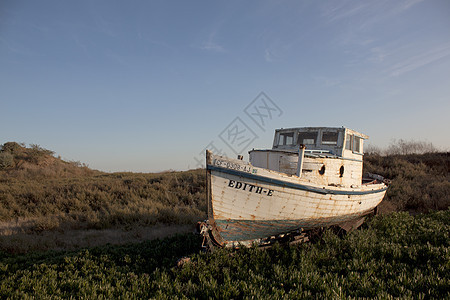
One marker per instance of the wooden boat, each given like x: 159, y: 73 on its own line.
x: 311, y: 178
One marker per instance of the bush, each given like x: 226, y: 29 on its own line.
x: 420, y: 182
x: 404, y: 147
x: 37, y: 153
x: 103, y: 201
x: 11, y: 147
x: 6, y: 160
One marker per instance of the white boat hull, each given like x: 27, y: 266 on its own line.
x: 248, y: 203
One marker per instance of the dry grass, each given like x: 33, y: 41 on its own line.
x: 14, y: 240
x: 104, y: 200
x: 43, y: 199
x: 420, y: 182
x: 40, y: 193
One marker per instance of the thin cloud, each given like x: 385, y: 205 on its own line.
x: 277, y: 50
x: 117, y: 58
x: 378, y: 54
x: 145, y: 38
x: 344, y: 10
x: 268, y: 56
x: 420, y: 60
x: 327, y: 81
x: 17, y: 48
x: 80, y: 44
x: 407, y: 4
x: 102, y: 25
x: 211, y: 45
x: 367, y: 13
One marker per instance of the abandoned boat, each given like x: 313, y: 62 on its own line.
x: 311, y: 178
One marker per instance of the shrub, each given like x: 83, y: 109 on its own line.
x: 404, y: 147
x: 420, y: 182
x: 6, y: 160
x: 37, y: 153
x: 11, y: 147
x: 104, y: 200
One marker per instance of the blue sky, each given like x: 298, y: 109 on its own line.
x: 147, y: 85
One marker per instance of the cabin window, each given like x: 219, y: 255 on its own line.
x: 286, y: 138
x: 307, y: 138
x: 357, y: 144
x: 322, y: 170
x: 348, y: 142
x: 329, y: 138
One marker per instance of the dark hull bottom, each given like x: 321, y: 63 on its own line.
x: 244, y: 230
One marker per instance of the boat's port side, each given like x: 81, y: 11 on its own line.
x: 311, y: 178
x: 248, y: 206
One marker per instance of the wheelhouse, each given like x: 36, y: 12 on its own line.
x: 325, y: 155
x: 338, y: 141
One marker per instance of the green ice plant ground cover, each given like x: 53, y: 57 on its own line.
x: 395, y: 255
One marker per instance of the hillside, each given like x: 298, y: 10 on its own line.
x: 18, y: 161
x: 419, y: 182
x: 44, y: 200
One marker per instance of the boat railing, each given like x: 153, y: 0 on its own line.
x: 314, y: 151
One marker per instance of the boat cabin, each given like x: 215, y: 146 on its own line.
x: 338, y: 141
x: 327, y: 155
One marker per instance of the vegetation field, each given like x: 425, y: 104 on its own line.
x: 396, y: 255
x: 419, y: 182
x: 60, y: 194
x: 45, y: 201
x: 52, y: 194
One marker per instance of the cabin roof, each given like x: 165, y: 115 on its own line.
x: 347, y: 130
